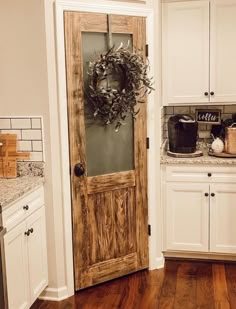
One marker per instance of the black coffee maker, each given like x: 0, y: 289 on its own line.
x: 182, y: 134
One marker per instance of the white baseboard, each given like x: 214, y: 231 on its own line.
x: 55, y: 294
x: 158, y: 263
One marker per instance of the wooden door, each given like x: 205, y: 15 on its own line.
x: 222, y: 51
x: 185, y: 52
x: 187, y: 216
x: 110, y: 232
x: 222, y: 218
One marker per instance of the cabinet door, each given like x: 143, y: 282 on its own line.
x: 37, y: 253
x: 185, y: 52
x: 186, y: 216
x: 15, y: 243
x: 223, y: 51
x: 223, y: 218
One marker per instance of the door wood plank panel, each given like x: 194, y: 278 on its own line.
x: 110, y: 182
x: 110, y: 236
x: 96, y: 22
x: 102, y: 228
x: 125, y: 226
x: 102, y: 271
x: 139, y: 26
x: 78, y: 151
x: 122, y: 24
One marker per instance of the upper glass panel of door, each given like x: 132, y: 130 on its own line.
x: 107, y: 151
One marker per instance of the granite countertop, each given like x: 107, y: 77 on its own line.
x: 205, y: 159
x: 12, y: 189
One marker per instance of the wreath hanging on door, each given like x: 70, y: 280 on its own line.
x: 118, y: 81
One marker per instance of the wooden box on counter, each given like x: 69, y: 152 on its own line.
x: 9, y: 155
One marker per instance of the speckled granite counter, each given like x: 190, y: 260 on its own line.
x: 12, y: 189
x: 205, y: 159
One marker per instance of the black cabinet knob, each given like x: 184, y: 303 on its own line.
x: 26, y: 207
x: 206, y: 93
x: 30, y: 231
x: 79, y: 170
x: 209, y: 174
x: 212, y: 194
x: 212, y: 93
x: 206, y: 194
x: 27, y: 233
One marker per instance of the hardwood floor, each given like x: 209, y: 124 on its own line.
x: 180, y: 285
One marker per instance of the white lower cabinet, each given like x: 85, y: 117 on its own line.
x: 199, y: 216
x: 16, y: 258
x: 223, y: 218
x: 186, y: 217
x: 26, y: 259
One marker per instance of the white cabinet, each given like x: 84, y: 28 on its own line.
x: 200, y: 209
x: 25, y: 251
x: 186, y: 217
x: 16, y: 268
x: 223, y: 214
x: 198, y: 52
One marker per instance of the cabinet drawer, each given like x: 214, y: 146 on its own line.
x: 200, y: 173
x: 22, y: 208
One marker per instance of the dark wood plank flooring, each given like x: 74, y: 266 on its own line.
x: 180, y: 285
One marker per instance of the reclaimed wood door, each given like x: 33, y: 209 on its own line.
x: 109, y: 198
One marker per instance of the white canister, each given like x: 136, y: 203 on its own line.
x: 217, y: 146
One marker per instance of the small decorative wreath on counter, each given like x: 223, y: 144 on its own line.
x: 118, y: 81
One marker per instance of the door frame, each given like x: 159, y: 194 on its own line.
x: 153, y: 127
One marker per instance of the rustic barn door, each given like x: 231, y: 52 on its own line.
x: 108, y: 168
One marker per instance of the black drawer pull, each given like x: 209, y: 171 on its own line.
x: 209, y: 174
x: 26, y: 207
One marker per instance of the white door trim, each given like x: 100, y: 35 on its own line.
x: 109, y: 8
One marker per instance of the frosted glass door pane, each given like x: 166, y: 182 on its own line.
x: 107, y: 151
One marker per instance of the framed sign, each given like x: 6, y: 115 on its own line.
x: 211, y: 116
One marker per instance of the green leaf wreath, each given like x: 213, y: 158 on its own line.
x: 112, y: 103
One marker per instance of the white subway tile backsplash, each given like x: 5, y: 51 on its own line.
x: 17, y: 132
x: 20, y: 123
x: 29, y: 131
x: 24, y: 146
x: 37, y: 146
x: 36, y: 156
x: 32, y: 134
x: 230, y: 109
x: 5, y: 123
x: 181, y: 110
x: 36, y: 123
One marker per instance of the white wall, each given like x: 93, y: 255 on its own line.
x: 24, y: 91
x: 28, y: 86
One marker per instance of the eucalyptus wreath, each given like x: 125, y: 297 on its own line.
x: 113, y: 100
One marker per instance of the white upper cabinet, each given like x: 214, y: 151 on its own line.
x: 185, y: 52
x: 223, y: 50
x: 198, y: 52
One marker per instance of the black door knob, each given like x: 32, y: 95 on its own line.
x: 206, y: 93
x: 79, y: 170
x: 212, y: 93
x: 213, y: 194
x: 206, y: 194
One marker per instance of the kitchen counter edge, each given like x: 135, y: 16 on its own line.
x: 203, y: 160
x: 15, y: 188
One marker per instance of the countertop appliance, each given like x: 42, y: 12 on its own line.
x: 182, y: 134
